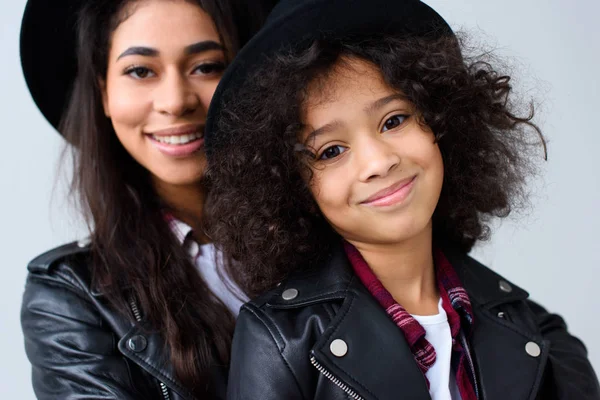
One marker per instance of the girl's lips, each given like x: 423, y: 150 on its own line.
x: 394, y: 194
x: 178, y: 150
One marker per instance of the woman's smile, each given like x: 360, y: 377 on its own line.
x: 181, y: 141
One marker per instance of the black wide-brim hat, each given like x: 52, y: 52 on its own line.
x: 294, y: 23
x: 48, y: 48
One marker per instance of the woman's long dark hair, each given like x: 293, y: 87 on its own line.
x: 134, y: 253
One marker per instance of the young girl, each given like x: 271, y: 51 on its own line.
x: 356, y: 157
x: 141, y: 311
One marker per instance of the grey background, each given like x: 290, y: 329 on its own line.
x: 551, y: 250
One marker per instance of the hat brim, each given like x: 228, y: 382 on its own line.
x: 47, y: 49
x: 291, y: 26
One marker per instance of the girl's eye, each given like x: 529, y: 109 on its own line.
x: 332, y: 152
x: 210, y: 68
x: 139, y: 72
x: 394, y: 122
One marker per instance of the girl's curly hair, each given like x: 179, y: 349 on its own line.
x: 261, y: 212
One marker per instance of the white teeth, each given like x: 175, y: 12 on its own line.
x: 179, y: 139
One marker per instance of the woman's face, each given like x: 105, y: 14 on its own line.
x: 165, y: 61
x: 377, y: 172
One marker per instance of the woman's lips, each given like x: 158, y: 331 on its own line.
x: 391, y: 195
x: 180, y: 142
x: 178, y: 150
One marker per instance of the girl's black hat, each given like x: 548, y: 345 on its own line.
x: 48, y: 47
x: 296, y: 22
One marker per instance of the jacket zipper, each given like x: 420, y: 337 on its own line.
x: 465, y: 346
x: 333, y: 379
x: 138, y: 318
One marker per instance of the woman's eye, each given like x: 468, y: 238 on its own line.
x: 210, y: 68
x: 139, y: 72
x: 394, y: 122
x: 332, y: 152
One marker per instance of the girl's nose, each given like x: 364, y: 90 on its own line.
x: 376, y: 157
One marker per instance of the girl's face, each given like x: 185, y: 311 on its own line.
x: 165, y: 61
x: 377, y: 173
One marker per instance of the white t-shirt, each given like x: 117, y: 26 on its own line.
x: 209, y: 263
x: 442, y: 380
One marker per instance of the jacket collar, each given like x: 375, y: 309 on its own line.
x: 503, y: 367
x: 332, y: 280
x: 370, y: 343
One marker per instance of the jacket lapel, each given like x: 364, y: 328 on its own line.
x: 504, y: 368
x: 378, y: 361
x: 148, y: 350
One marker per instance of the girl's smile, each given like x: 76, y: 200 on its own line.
x: 392, y: 195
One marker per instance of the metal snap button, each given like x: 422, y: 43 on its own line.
x: 533, y: 349
x: 505, y: 286
x: 289, y: 294
x: 137, y: 343
x: 338, y: 348
x: 501, y: 314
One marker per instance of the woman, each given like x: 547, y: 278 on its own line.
x: 352, y: 179
x: 141, y: 310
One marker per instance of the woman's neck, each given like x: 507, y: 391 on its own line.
x: 406, y: 270
x: 186, y: 203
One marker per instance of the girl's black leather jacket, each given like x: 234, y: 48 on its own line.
x: 282, y: 343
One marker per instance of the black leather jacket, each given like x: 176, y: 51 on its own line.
x: 282, y: 341
x: 80, y: 348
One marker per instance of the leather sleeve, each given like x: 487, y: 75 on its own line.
x: 73, y: 356
x: 569, y: 371
x: 258, y: 369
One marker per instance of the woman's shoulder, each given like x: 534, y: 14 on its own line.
x: 65, y: 265
x: 59, y: 288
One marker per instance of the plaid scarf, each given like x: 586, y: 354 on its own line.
x: 457, y: 306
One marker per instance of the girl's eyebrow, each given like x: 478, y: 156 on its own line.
x: 371, y: 108
x: 377, y: 104
x: 329, y: 127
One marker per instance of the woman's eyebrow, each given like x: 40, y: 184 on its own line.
x: 139, y: 51
x: 196, y: 48
x: 203, y: 46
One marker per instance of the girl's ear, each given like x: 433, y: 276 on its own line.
x: 102, y: 85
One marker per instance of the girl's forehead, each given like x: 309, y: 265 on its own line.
x: 351, y: 84
x: 344, y: 81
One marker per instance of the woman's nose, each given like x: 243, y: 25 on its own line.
x: 175, y: 96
